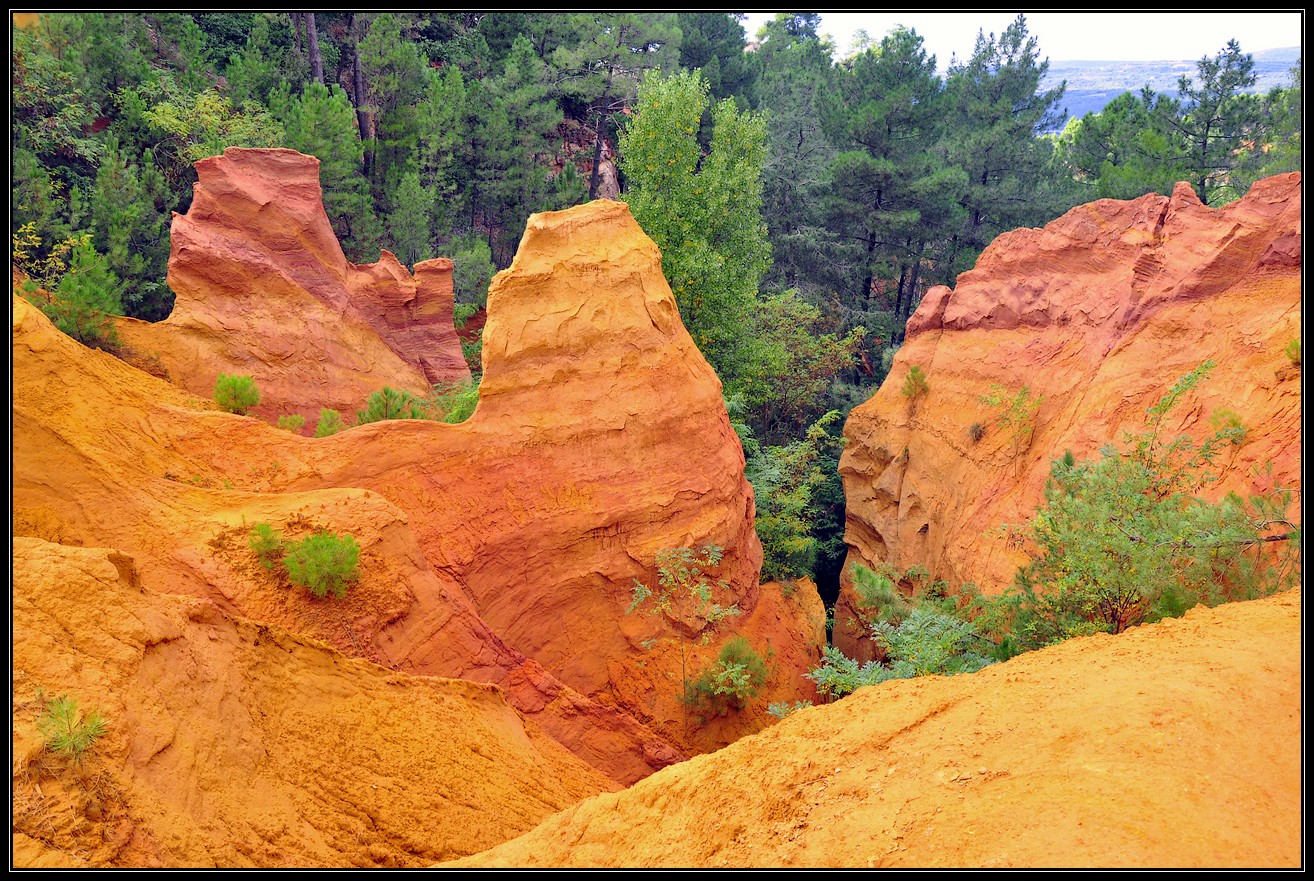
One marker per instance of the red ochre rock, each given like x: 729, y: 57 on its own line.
x: 1100, y: 312
x: 502, y: 549
x: 263, y: 290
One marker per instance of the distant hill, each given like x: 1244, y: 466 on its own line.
x: 1092, y: 84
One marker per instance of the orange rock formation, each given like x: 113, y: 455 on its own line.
x: 1176, y: 744
x: 1100, y: 312
x: 263, y: 289
x: 502, y: 550
x: 233, y: 743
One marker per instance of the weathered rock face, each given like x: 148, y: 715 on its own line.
x: 1101, y: 312
x: 503, y: 549
x: 1096, y: 752
x: 263, y: 289
x: 232, y: 743
x: 108, y: 456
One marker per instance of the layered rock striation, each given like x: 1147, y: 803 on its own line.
x: 263, y: 289
x: 1099, y: 313
x: 232, y: 743
x: 503, y: 549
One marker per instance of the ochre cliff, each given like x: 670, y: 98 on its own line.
x: 1100, y: 312
x: 232, y: 743
x: 502, y: 549
x: 263, y: 289
x: 1176, y: 744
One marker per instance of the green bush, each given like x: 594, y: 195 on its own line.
x: 85, y: 299
x: 733, y: 679
x: 789, y: 485
x: 1228, y: 424
x: 781, y: 709
x: 838, y: 674
x: 1123, y: 539
x: 456, y: 401
x: 1292, y: 351
x: 929, y: 641
x: 914, y: 384
x: 330, y: 422
x: 236, y: 394
x: 390, y: 403
x: 684, y: 595
x: 292, y: 422
x: 472, y: 269
x: 66, y: 732
x: 323, y: 563
x: 267, y: 543
x: 878, y: 594
x: 1015, y: 412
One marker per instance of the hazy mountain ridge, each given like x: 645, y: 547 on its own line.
x: 1094, y: 83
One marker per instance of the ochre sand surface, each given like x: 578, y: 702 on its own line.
x: 1174, y: 744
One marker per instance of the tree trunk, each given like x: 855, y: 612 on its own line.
x: 316, y: 61
x: 597, y: 142
x: 358, y: 94
x: 597, y: 156
x: 868, y: 278
x: 296, y: 30
x: 906, y: 300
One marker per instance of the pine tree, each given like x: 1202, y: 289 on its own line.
x: 408, y: 222
x: 998, y: 108
x: 322, y: 123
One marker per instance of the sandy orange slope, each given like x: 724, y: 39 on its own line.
x: 1176, y: 744
x: 233, y: 743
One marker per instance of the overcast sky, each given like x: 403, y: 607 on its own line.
x: 1075, y: 36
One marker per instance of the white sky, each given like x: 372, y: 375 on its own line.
x: 1075, y: 36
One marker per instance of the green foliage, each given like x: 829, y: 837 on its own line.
x: 236, y: 394
x: 914, y: 384
x: 455, y: 401
x: 472, y: 270
x: 322, y: 123
x: 130, y: 206
x: 1123, y: 539
x: 796, y: 362
x: 390, y: 403
x: 67, y: 732
x: 1292, y: 351
x: 781, y: 709
x: 205, y: 124
x: 292, y: 422
x: 1122, y: 152
x: 703, y: 211
x: 1227, y: 423
x: 879, y: 599
x: 330, y: 423
x: 684, y: 591
x: 788, y: 482
x: 929, y: 643
x: 838, y: 674
x: 266, y: 544
x: 409, y: 220
x: 926, y: 642
x: 730, y: 682
x: 323, y: 563
x: 685, y: 596
x: 1015, y: 413
x: 997, y: 104
x: 85, y: 298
